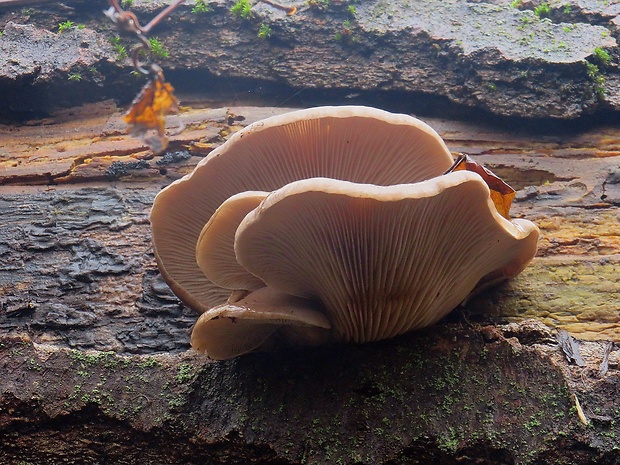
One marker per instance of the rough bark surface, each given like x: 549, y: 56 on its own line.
x: 485, y: 55
x: 451, y: 395
x: 94, y: 358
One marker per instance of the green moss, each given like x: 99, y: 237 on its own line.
x: 345, y: 33
x: 543, y: 10
x: 201, y: 7
x: 65, y: 26
x: 264, y: 32
x: 242, y: 9
x: 157, y: 48
x: 149, y: 362
x: 74, y: 77
x: 448, y: 442
x: 119, y: 48
x: 532, y: 424
x: 185, y: 373
x: 602, y: 55
x: 32, y: 364
x: 594, y: 73
x: 177, y: 401
x: 107, y: 360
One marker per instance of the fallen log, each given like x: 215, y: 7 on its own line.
x: 94, y: 348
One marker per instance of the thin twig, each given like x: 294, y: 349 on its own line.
x: 165, y: 12
x: 290, y: 10
x: 127, y: 22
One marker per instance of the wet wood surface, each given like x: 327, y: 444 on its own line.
x: 77, y: 270
x: 495, y: 56
x: 77, y: 273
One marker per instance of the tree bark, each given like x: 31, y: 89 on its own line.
x: 94, y: 349
x: 448, y: 395
x: 478, y: 55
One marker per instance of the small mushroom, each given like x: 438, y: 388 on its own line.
x: 382, y: 260
x: 248, y: 324
x: 215, y: 250
x: 353, y: 143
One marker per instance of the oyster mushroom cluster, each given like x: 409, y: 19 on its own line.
x: 331, y: 224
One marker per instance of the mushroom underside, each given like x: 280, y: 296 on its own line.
x: 331, y: 224
x: 358, y: 144
x: 215, y: 250
x: 382, y: 260
x: 253, y: 323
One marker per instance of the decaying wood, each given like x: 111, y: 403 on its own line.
x: 570, y: 347
x: 89, y: 196
x: 77, y: 273
x: 442, y: 396
x: 475, y: 54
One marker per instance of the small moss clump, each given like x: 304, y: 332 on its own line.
x: 542, y: 10
x: 201, y: 7
x: 594, y: 73
x: 157, y: 48
x: 242, y: 9
x: 264, y: 32
x: 149, y: 362
x: 119, y: 48
x: 65, y: 26
x: 185, y: 373
x: 602, y: 55
x: 68, y: 25
x: 346, y: 33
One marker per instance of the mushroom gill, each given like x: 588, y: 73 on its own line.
x: 352, y: 143
x: 215, y: 249
x: 330, y: 224
x: 382, y: 260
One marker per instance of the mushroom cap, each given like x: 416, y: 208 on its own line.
x: 236, y: 328
x: 359, y: 144
x: 215, y: 249
x: 382, y: 260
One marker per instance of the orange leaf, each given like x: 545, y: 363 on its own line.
x: 148, y: 111
x: 502, y: 194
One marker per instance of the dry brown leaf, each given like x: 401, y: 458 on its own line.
x: 502, y: 194
x: 146, y: 117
